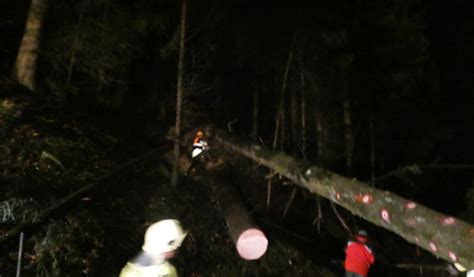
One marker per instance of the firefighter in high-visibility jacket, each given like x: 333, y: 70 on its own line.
x: 162, y: 239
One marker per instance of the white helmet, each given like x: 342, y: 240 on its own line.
x: 163, y: 236
x: 459, y: 267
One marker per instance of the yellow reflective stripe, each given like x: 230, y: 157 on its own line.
x: 163, y: 270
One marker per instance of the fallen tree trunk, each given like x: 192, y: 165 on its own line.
x: 430, y: 267
x: 250, y: 241
x: 446, y: 237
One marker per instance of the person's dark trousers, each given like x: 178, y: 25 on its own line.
x: 352, y: 274
x: 197, y: 163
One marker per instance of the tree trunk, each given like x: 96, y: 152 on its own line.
x: 72, y: 59
x: 281, y: 107
x: 348, y: 135
x: 372, y: 138
x: 444, y: 236
x: 303, y: 113
x: 101, y: 75
x: 279, y: 120
x: 372, y: 151
x: 26, y: 60
x: 250, y: 241
x: 283, y: 140
x: 294, y: 121
x: 255, y: 114
x: 320, y: 156
x: 179, y: 95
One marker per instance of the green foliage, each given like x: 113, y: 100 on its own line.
x: 70, y: 246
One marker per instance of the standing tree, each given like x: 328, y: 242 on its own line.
x: 303, y: 112
x: 179, y: 94
x: 254, y: 133
x: 348, y: 134
x: 26, y: 60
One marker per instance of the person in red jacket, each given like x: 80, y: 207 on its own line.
x: 359, y: 256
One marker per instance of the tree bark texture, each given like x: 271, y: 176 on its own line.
x: 179, y: 95
x: 446, y: 237
x: 26, y: 60
x: 250, y: 241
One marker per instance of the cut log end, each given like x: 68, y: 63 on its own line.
x: 252, y: 244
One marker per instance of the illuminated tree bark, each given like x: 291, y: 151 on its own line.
x: 26, y: 60
x: 250, y: 241
x: 444, y: 236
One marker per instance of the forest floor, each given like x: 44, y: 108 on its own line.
x: 48, y: 151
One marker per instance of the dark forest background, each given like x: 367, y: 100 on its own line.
x: 387, y: 85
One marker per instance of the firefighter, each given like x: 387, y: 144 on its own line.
x: 198, y: 154
x: 162, y: 239
x: 359, y: 256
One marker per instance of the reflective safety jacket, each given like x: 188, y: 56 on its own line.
x: 143, y: 266
x: 198, y: 146
x: 359, y: 258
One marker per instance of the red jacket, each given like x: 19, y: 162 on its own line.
x: 359, y: 258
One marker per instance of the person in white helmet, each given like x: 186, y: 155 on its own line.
x: 162, y: 239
